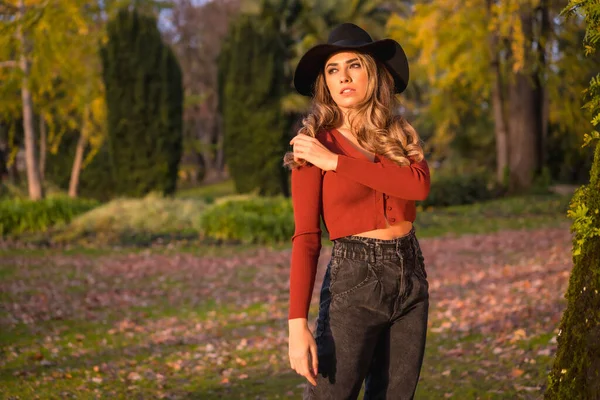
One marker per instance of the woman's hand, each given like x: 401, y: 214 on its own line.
x: 303, y: 350
x: 311, y: 150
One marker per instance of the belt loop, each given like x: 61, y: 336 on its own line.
x: 372, y: 252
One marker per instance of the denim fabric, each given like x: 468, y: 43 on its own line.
x: 372, y: 319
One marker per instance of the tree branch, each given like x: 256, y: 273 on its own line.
x: 8, y: 64
x: 6, y: 8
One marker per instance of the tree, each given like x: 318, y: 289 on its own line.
x: 490, y: 60
x: 251, y: 87
x: 144, y: 98
x: 19, y: 21
x: 576, y: 370
x: 196, y: 33
x: 62, y: 82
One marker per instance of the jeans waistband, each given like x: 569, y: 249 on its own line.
x: 364, y: 248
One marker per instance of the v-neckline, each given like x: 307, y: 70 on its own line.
x: 351, y: 145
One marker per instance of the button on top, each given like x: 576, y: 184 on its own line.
x: 389, y: 208
x: 392, y: 219
x: 386, y: 197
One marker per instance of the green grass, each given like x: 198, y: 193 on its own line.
x: 134, y: 329
x: 525, y: 212
x: 168, y: 226
x: 112, y: 359
x: 210, y: 192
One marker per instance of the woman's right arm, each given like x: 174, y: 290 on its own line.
x: 306, y: 247
x: 306, y: 242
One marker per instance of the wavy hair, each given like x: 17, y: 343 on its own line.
x: 377, y: 129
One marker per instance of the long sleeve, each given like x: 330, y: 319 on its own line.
x: 306, y: 242
x: 406, y: 182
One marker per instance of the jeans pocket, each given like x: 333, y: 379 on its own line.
x: 347, y: 275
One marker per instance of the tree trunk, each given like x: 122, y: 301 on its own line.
x: 544, y: 107
x: 524, y: 132
x: 81, y: 143
x: 498, y: 105
x: 209, y: 164
x: 500, y: 126
x: 76, y: 170
x: 526, y: 116
x: 33, y: 174
x: 220, y: 158
x: 43, y: 148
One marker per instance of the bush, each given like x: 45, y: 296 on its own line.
x: 250, y: 219
x: 454, y: 190
x: 19, y: 216
x: 136, y: 221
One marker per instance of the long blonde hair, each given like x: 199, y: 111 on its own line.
x: 378, y: 130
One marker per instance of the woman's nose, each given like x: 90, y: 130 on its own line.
x: 344, y: 78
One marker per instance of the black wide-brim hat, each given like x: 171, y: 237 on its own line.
x: 349, y: 37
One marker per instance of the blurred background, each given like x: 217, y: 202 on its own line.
x: 145, y: 212
x: 123, y: 98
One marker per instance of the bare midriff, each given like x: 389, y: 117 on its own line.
x: 390, y: 231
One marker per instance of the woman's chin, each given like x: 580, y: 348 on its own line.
x: 347, y: 104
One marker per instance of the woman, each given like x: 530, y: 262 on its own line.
x: 361, y: 168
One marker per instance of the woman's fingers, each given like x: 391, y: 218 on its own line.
x: 301, y: 366
x: 304, y: 141
x: 314, y: 358
x: 304, y: 370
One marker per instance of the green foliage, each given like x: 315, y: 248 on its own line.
x: 576, y: 370
x: 251, y: 86
x: 453, y: 46
x: 19, y: 216
x: 134, y: 221
x: 457, y: 189
x: 261, y: 220
x: 95, y: 180
x: 144, y: 98
x: 208, y: 193
x: 583, y: 221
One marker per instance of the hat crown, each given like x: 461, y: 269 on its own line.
x: 348, y: 32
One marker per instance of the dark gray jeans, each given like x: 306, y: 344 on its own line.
x: 372, y: 320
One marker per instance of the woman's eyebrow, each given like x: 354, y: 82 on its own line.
x: 335, y: 64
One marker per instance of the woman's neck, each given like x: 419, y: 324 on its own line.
x: 345, y: 126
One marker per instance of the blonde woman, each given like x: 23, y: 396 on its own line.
x: 360, y: 167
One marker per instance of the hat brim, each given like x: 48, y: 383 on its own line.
x: 387, y: 51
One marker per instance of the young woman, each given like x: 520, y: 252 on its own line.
x: 360, y: 168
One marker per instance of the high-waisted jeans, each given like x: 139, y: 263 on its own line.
x: 372, y: 320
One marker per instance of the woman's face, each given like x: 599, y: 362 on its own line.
x: 346, y: 79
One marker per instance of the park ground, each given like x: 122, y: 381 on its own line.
x: 210, y: 322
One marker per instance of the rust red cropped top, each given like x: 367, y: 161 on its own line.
x: 356, y: 197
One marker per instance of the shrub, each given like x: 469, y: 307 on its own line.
x: 250, y: 219
x: 19, y: 216
x: 136, y: 221
x: 453, y: 190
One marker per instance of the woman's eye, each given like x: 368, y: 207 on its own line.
x: 332, y: 70
x: 357, y: 65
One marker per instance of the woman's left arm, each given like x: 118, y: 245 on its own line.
x: 409, y: 182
